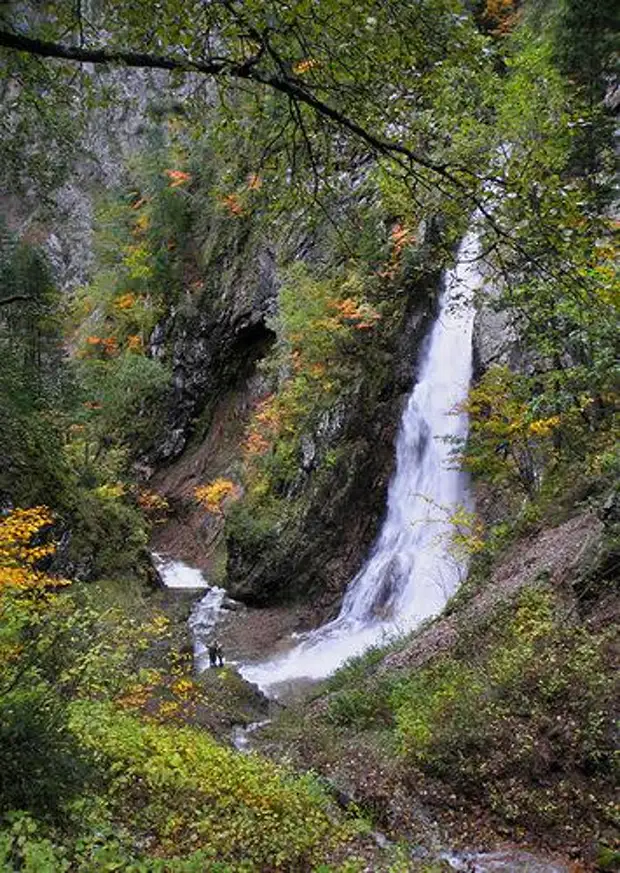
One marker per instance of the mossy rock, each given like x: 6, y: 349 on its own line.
x: 607, y: 859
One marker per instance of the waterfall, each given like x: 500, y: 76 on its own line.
x: 411, y: 570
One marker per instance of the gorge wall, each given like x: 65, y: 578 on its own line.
x: 335, y: 499
x: 216, y: 333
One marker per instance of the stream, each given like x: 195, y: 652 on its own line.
x: 508, y: 861
x: 176, y: 574
x: 206, y: 611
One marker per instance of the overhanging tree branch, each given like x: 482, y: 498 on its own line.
x: 84, y: 55
x: 223, y: 67
x: 298, y: 92
x: 14, y: 298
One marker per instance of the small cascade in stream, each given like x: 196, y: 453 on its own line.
x: 410, y: 572
x: 206, y: 612
x: 202, y: 623
x: 176, y: 574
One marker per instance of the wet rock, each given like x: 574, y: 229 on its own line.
x: 330, y: 425
x: 508, y: 861
x: 609, y: 511
x: 308, y: 453
x: 211, y: 349
x: 495, y: 338
x: 241, y: 735
x: 153, y: 574
x: 380, y: 839
x: 229, y: 701
x: 157, y: 341
x: 68, y: 566
x: 172, y: 443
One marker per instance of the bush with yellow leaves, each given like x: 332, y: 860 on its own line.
x: 22, y: 548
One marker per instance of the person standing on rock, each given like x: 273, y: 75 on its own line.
x: 219, y: 652
x: 212, y: 649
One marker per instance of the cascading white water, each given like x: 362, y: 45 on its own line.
x: 411, y: 571
x: 206, y: 612
x: 176, y: 574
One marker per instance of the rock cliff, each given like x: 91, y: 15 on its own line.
x: 336, y: 499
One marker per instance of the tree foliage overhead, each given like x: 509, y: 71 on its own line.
x: 368, y: 77
x: 319, y: 87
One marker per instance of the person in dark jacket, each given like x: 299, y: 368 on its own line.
x: 219, y: 652
x: 212, y: 650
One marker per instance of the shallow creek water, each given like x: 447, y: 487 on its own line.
x: 206, y: 611
x: 508, y: 861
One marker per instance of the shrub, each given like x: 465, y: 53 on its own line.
x: 510, y: 721
x: 109, y: 535
x: 41, y: 764
x: 190, y: 794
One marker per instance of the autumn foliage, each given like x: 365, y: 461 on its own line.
x: 153, y: 504
x: 103, y: 346
x: 305, y: 66
x: 21, y: 550
x: 239, y: 203
x: 232, y: 203
x: 322, y: 332
x: 215, y: 496
x: 177, y: 178
x: 361, y: 316
x: 125, y: 301
x: 508, y: 444
x: 401, y: 237
x: 500, y: 16
x: 264, y: 427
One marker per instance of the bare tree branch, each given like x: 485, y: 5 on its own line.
x: 14, y: 298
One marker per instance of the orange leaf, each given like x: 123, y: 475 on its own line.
x: 177, y: 177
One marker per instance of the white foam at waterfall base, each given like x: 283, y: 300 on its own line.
x: 206, y: 612
x: 411, y: 570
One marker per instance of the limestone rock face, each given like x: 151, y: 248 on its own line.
x: 337, y: 505
x: 338, y: 508
x: 211, y: 342
x: 116, y: 130
x: 213, y: 345
x: 496, y: 341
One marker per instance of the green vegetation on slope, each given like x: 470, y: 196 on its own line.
x: 100, y: 766
x: 508, y: 729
